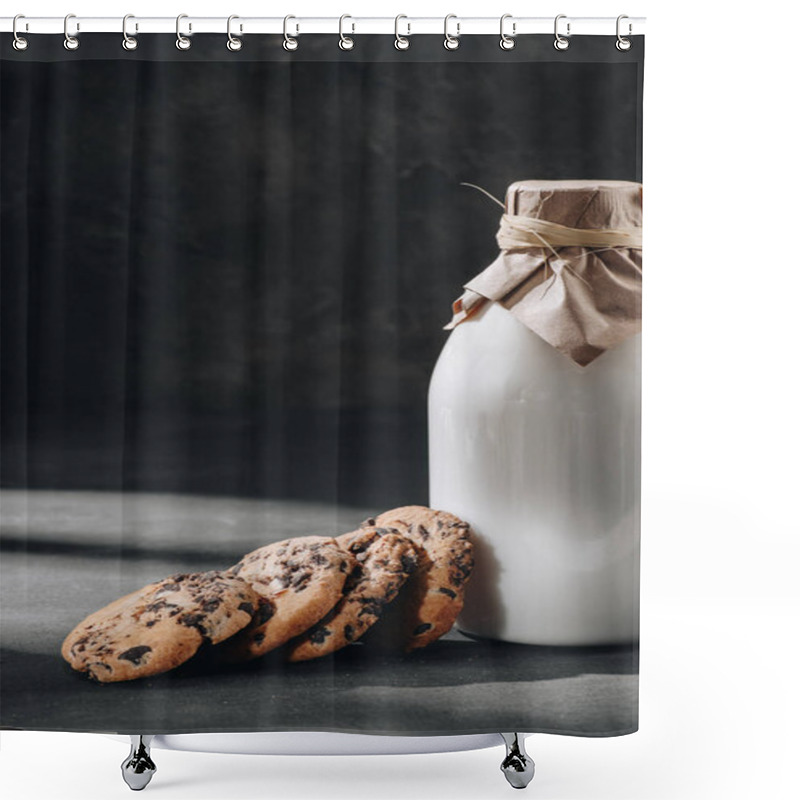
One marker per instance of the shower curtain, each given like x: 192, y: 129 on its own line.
x: 226, y: 277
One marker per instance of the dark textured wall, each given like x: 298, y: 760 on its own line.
x: 230, y: 276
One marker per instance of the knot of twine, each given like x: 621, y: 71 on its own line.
x: 523, y: 232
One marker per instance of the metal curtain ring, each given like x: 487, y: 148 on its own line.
x: 560, y: 42
x: 182, y: 42
x: 507, y: 42
x: 234, y: 43
x: 289, y: 42
x: 346, y: 42
x: 70, y: 42
x: 19, y: 43
x: 451, y: 42
x: 622, y: 43
x: 129, y: 42
x: 401, y: 42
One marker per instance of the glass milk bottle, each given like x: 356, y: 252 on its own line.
x: 534, y: 419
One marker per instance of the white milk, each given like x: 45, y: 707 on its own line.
x: 541, y: 457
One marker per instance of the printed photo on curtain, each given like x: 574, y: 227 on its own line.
x: 320, y: 385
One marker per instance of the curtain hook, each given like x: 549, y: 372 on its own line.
x: 622, y: 43
x: 451, y: 42
x: 401, y: 42
x: 507, y: 42
x: 20, y: 42
x: 346, y: 42
x: 560, y: 42
x: 71, y: 42
x: 289, y: 42
x: 129, y: 42
x: 182, y: 42
x: 234, y: 43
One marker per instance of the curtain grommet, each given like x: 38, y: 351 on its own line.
x: 507, y: 41
x: 401, y: 42
x: 129, y: 42
x: 451, y: 41
x: 70, y: 42
x: 20, y: 43
x: 182, y: 42
x: 623, y: 44
x: 234, y: 43
x: 561, y: 42
x: 346, y: 43
x: 290, y: 43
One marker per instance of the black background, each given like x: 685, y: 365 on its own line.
x: 228, y: 273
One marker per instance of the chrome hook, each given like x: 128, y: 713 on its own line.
x: 182, y: 42
x: 622, y: 43
x: 560, y: 42
x: 289, y: 42
x: 20, y: 42
x: 451, y: 42
x: 129, y: 42
x: 401, y: 42
x: 346, y: 42
x: 233, y: 44
x: 507, y: 42
x: 70, y: 42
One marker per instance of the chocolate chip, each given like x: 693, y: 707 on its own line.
x: 448, y: 592
x: 319, y: 636
x: 349, y: 633
x: 235, y: 570
x: 160, y: 605
x: 409, y: 562
x: 246, y: 607
x: 369, y: 523
x: 318, y: 558
x: 169, y: 587
x: 263, y: 613
x: 373, y: 607
x: 193, y: 621
x: 420, y: 629
x: 211, y: 605
x: 424, y: 533
x: 259, y: 637
x: 134, y: 654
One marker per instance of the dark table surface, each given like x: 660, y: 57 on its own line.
x: 66, y: 554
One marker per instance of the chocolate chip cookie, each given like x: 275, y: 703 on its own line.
x: 302, y: 577
x: 433, y: 597
x: 384, y: 561
x: 160, y: 626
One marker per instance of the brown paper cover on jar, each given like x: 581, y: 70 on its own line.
x: 570, y: 264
